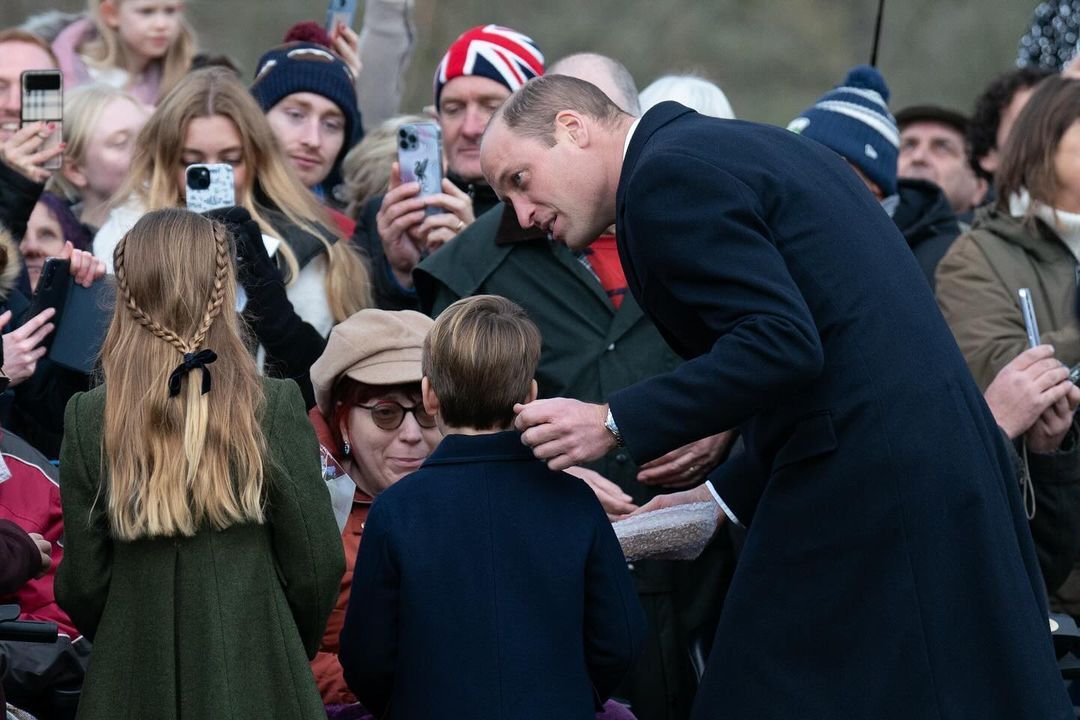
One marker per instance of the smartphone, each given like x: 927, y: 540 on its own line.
x: 209, y: 187
x: 420, y: 158
x: 1027, y: 308
x: 43, y: 100
x: 51, y: 292
x: 339, y: 11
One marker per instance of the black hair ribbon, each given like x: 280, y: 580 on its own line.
x: 192, y: 361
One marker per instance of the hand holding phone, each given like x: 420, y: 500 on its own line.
x: 43, y: 102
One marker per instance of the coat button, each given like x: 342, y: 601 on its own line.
x: 621, y: 457
x: 611, y: 347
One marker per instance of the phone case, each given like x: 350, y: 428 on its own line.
x: 420, y: 158
x: 340, y: 11
x: 209, y: 187
x: 51, y: 292
x: 82, y: 326
x: 43, y: 101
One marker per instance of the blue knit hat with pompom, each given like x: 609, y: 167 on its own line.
x: 853, y: 120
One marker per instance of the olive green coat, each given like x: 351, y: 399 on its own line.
x: 219, y: 625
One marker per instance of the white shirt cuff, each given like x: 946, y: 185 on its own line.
x: 723, y: 505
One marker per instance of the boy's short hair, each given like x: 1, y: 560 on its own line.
x: 480, y: 358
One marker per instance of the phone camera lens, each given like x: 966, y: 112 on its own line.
x: 403, y: 133
x: 412, y: 139
x: 198, y: 178
x: 404, y: 144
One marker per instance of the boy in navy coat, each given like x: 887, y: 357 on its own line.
x: 487, y: 586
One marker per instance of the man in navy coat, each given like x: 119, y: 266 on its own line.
x: 888, y: 570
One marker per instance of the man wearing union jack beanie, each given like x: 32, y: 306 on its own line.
x: 479, y: 70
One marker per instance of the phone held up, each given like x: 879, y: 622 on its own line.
x: 209, y: 187
x: 43, y: 101
x: 339, y: 12
x: 420, y: 158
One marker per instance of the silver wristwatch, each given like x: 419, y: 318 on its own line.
x: 613, y: 429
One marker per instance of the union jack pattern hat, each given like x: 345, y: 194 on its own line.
x: 492, y: 51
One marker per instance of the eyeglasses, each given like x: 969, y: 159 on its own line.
x: 389, y: 415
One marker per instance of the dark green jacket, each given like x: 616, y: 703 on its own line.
x: 590, y: 350
x: 219, y: 625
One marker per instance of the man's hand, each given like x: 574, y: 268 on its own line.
x: 398, y: 220
x: 615, y: 502
x: 564, y: 432
x: 21, y: 346
x: 45, y: 548
x: 694, y: 495
x: 437, y: 230
x: 1025, y: 388
x: 1049, y: 430
x: 84, y: 267
x: 687, y: 465
x: 22, y: 151
x: 346, y: 43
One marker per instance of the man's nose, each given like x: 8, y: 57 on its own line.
x: 524, y: 212
x: 311, y: 136
x: 476, y: 119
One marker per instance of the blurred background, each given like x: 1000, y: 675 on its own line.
x: 772, y: 57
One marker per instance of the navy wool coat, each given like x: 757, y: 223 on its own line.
x: 489, y: 587
x: 888, y: 570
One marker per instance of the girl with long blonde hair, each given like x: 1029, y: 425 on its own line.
x: 142, y: 46
x: 202, y: 555
x: 211, y: 118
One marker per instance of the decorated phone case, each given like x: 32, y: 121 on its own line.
x: 420, y: 158
x: 209, y: 187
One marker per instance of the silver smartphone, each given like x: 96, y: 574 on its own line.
x: 208, y: 187
x: 420, y: 158
x: 1027, y: 308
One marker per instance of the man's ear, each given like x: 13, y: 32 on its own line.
x: 73, y: 174
x: 110, y: 13
x: 572, y: 125
x: 534, y: 390
x: 431, y: 400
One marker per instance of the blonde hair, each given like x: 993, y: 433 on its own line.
x: 83, y: 108
x: 107, y: 50
x: 157, y: 159
x: 175, y: 463
x: 480, y: 357
x: 366, y: 167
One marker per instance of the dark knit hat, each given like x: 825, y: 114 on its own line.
x: 492, y: 51
x: 308, y: 67
x: 854, y: 121
x: 932, y: 113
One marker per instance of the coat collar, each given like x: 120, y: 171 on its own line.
x: 501, y: 446
x: 656, y: 118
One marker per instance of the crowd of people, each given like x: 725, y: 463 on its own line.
x: 173, y: 511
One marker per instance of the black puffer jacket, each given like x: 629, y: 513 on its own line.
x: 927, y: 222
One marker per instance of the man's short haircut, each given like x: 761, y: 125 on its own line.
x: 17, y: 35
x: 530, y: 112
x: 480, y: 358
x: 985, y: 121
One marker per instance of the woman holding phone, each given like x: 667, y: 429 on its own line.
x: 211, y: 118
x: 202, y: 556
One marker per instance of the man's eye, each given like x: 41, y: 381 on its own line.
x: 517, y: 180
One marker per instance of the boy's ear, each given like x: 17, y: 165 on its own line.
x: 431, y: 400
x: 534, y: 390
x: 110, y: 13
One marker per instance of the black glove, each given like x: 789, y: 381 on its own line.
x: 292, y: 345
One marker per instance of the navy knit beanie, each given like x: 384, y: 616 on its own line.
x: 853, y: 120
x: 308, y: 67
